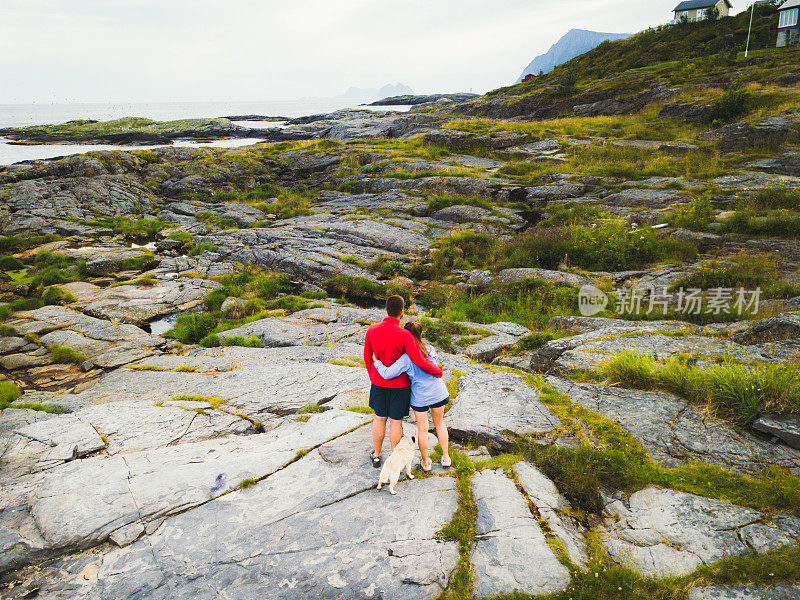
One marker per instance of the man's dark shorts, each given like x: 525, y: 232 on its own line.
x: 390, y: 402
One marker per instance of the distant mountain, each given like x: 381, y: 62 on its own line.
x: 395, y: 90
x: 375, y: 94
x: 574, y: 43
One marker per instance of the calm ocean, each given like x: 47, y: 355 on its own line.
x: 18, y: 115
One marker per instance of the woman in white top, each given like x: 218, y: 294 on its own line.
x: 427, y: 393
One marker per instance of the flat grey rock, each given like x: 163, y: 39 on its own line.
x: 666, y: 533
x: 489, y: 347
x: 555, y: 510
x: 642, y: 197
x: 295, y: 331
x: 779, y: 591
x: 82, y: 503
x: 784, y: 427
x: 329, y: 538
x: 673, y: 431
x: 105, y: 343
x: 780, y: 327
x: 141, y: 303
x: 555, y: 277
x: 511, y: 553
x: 257, y: 385
x: 488, y: 404
x: 45, y: 444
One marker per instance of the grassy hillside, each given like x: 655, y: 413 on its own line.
x: 687, y: 62
x: 721, y: 40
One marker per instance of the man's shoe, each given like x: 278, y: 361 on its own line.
x: 376, y: 460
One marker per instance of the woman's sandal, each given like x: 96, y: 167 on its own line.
x: 447, y: 463
x: 429, y: 467
x: 376, y: 460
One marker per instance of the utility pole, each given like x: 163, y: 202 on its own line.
x: 749, y: 29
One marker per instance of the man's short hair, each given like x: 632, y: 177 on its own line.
x: 395, y: 306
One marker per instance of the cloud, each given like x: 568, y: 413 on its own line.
x: 184, y: 50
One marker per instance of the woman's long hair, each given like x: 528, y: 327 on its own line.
x: 416, y: 331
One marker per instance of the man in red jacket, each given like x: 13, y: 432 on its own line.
x: 391, y: 399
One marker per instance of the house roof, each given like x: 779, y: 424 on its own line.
x: 789, y: 4
x: 693, y: 4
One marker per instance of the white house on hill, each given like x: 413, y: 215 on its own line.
x: 788, y: 30
x: 696, y: 10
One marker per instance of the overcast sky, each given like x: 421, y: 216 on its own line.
x: 226, y: 50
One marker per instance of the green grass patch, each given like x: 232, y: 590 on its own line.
x: 461, y: 530
x: 9, y: 263
x: 55, y: 295
x: 459, y: 250
x: 530, y: 303
x: 347, y: 286
x: 736, y: 392
x: 65, y: 355
x: 46, y: 408
x: 605, y: 248
x: 212, y: 401
x: 244, y: 342
x: 748, y: 271
x: 15, y: 243
x: 772, y: 223
x: 9, y: 391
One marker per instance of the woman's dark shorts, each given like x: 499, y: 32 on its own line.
x: 421, y: 409
x: 390, y: 402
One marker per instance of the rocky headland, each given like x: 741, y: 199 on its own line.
x: 182, y: 392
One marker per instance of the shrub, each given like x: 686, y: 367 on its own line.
x: 388, y: 267
x: 137, y: 263
x: 182, y: 236
x: 16, y: 243
x: 201, y: 248
x: 251, y: 282
x: 27, y: 304
x: 758, y: 222
x: 9, y: 391
x: 190, y: 329
x: 577, y: 214
x: 140, y: 230
x: 779, y: 196
x: 6, y: 310
x: 295, y: 203
x: 734, y: 102
x: 460, y: 250
x: 65, y: 354
x: 239, y: 340
x: 45, y: 259
x: 9, y: 263
x: 243, y: 309
x: 210, y: 341
x: 696, y: 216
x: 608, y: 248
x: 347, y: 286
x: 735, y: 391
x: 529, y: 303
x: 55, y: 295
x: 748, y: 271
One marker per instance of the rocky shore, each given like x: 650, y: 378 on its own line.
x: 638, y: 453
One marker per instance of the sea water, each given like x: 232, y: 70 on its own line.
x: 20, y: 115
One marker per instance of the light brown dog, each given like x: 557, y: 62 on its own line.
x: 401, y: 458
